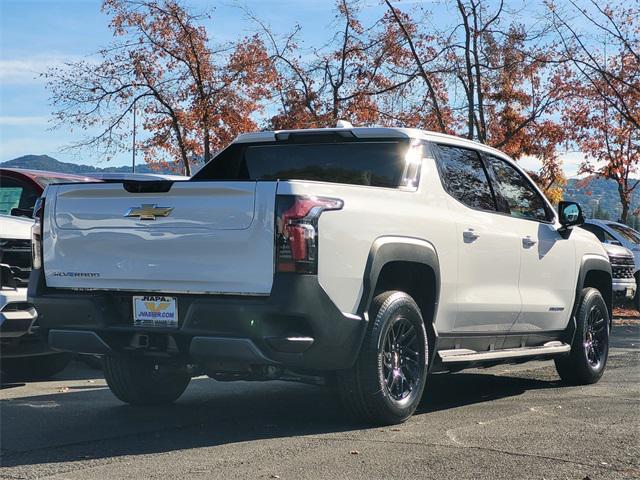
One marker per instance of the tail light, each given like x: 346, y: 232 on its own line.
x: 36, y: 233
x: 297, y: 231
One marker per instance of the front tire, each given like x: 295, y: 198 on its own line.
x: 590, y: 348
x: 139, y: 381
x: 387, y: 381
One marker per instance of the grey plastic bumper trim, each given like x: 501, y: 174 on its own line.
x: 79, y: 341
x: 228, y: 349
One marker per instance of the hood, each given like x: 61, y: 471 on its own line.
x: 617, y: 250
x: 16, y: 228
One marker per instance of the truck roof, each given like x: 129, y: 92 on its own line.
x: 373, y: 132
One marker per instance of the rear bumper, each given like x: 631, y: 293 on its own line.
x: 16, y: 316
x: 297, y: 326
x: 18, y: 337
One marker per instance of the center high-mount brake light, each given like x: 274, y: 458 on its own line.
x: 297, y: 231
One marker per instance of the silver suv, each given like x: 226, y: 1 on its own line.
x: 619, y: 234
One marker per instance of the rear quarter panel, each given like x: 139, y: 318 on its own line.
x: 346, y: 236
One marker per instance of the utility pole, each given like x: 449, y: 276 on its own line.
x: 133, y: 145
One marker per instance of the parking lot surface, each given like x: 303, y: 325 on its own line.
x: 511, y: 421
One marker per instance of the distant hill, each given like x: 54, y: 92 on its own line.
x: 599, y: 194
x: 45, y: 162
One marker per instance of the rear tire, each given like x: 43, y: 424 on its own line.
x: 590, y: 348
x: 386, y: 383
x: 139, y: 381
x: 37, y: 367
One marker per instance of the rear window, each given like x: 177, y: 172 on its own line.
x: 375, y: 164
x: 16, y: 197
x: 9, y: 199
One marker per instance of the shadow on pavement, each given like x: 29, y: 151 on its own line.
x: 76, y: 370
x: 5, y: 385
x: 89, y: 424
x: 445, y: 391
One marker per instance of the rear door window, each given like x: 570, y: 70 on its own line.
x: 464, y: 176
x: 375, y: 163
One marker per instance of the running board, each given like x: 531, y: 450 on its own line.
x: 465, y: 355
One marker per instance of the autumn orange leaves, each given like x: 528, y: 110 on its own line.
x: 476, y: 68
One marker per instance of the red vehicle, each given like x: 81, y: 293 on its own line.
x: 24, y: 355
x: 20, y: 188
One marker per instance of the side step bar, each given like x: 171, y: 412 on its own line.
x: 465, y: 355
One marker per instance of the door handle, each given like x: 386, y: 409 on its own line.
x: 527, y: 242
x: 470, y: 235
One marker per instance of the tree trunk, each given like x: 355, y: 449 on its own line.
x: 183, y: 150
x: 625, y: 213
x: 482, y: 126
x: 625, y: 201
x: 423, y: 73
x: 207, y: 144
x: 469, y: 70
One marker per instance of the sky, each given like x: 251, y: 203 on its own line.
x: 38, y: 34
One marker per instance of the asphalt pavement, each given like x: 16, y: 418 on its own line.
x: 506, y: 422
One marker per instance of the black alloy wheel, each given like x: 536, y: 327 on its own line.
x: 401, y: 369
x: 586, y: 361
x: 386, y: 383
x: 595, y: 336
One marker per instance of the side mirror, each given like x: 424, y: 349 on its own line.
x: 613, y: 242
x: 570, y: 214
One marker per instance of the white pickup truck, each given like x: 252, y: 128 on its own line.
x: 370, y: 255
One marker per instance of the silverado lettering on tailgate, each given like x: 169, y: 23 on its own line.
x: 76, y: 274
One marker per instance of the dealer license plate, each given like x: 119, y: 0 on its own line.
x: 155, y: 311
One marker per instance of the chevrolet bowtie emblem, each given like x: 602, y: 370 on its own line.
x: 148, y: 211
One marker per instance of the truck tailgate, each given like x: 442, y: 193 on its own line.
x: 197, y: 237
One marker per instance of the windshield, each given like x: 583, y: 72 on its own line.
x: 627, y: 233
